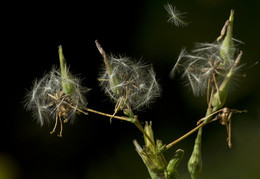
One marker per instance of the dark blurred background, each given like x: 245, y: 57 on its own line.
x: 92, y: 147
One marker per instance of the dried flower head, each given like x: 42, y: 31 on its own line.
x: 212, y: 65
x: 131, y: 85
x: 50, y: 102
x: 204, y: 66
x: 131, y: 81
x: 175, y: 16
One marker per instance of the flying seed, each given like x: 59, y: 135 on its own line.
x: 175, y: 16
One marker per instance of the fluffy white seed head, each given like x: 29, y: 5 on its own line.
x: 199, y: 66
x: 133, y: 81
x: 175, y: 16
x: 46, y: 98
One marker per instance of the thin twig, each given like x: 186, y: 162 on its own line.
x: 185, y: 135
x: 199, y: 125
x: 136, y: 122
x: 77, y: 109
x: 109, y: 115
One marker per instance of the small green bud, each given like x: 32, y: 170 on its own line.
x: 154, y: 161
x: 160, y: 147
x: 195, y: 162
x: 159, y: 144
x: 67, y: 86
x: 171, y: 170
x: 129, y: 113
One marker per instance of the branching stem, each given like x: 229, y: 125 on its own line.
x: 134, y: 120
x: 206, y: 121
x: 185, y: 135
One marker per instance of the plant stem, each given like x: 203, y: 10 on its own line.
x: 185, y: 135
x: 132, y: 118
x: 98, y: 112
x: 109, y: 115
x: 135, y: 121
x: 206, y: 121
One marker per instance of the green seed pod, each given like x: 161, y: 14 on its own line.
x: 223, y: 89
x: 227, y: 49
x: 67, y: 86
x: 195, y: 162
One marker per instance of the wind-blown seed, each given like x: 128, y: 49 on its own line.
x: 175, y: 16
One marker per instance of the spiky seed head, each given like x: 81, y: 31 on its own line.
x: 47, y: 97
x: 211, y: 63
x: 199, y: 66
x: 135, y: 82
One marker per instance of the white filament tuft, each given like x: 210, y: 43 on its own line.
x: 175, y: 16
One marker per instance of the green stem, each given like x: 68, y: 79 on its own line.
x: 195, y: 161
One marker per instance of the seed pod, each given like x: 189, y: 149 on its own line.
x: 227, y: 49
x: 67, y: 86
x: 195, y: 161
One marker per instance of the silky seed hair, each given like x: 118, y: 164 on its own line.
x: 175, y: 16
x: 41, y: 98
x: 136, y: 82
x: 198, y: 66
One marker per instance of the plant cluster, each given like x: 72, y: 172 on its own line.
x: 132, y: 85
